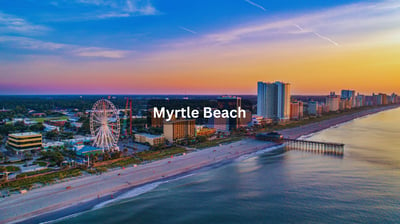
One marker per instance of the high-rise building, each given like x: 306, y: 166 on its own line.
x: 344, y: 104
x: 360, y: 100
x: 380, y: 99
x: 156, y: 122
x: 393, y: 98
x: 314, y: 108
x: 369, y: 101
x: 273, y: 100
x: 301, y: 109
x: 179, y: 129
x: 333, y: 102
x: 266, y: 99
x: 383, y: 98
x: 296, y: 110
x: 349, y: 95
x: 230, y: 103
x: 220, y: 124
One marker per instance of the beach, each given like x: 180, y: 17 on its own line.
x: 107, y: 185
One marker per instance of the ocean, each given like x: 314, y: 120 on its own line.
x: 279, y: 186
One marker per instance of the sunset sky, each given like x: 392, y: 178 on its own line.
x: 198, y: 47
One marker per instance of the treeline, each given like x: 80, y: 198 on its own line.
x: 20, y: 127
x: 22, y: 104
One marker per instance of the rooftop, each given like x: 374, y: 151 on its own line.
x: 88, y: 148
x: 149, y: 135
x: 25, y: 134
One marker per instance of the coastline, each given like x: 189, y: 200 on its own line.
x: 313, y: 128
x: 84, y: 193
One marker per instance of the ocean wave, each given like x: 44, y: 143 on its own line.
x: 262, y: 151
x: 137, y: 191
x: 151, y: 186
x: 64, y: 218
x: 130, y: 194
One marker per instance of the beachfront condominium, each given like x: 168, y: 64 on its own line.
x: 349, y: 95
x: 296, y: 110
x: 273, y: 100
x: 314, y: 108
x: 230, y: 103
x: 360, y: 100
x: 333, y: 102
x: 26, y: 141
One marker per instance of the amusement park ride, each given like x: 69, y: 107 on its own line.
x: 128, y: 114
x: 105, y: 124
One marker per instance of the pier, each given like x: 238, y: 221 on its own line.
x: 313, y: 146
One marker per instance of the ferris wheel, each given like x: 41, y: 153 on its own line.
x: 104, y: 125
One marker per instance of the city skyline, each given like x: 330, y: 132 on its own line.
x: 151, y: 47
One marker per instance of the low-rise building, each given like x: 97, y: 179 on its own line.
x: 78, y: 140
x: 29, y: 122
x: 204, y: 131
x: 26, y: 141
x: 151, y: 139
x: 260, y: 120
x: 83, y: 150
x: 58, y: 123
x: 49, y: 128
x: 53, y: 145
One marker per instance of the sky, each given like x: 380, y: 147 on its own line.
x: 198, y: 46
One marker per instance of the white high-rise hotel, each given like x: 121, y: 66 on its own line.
x: 273, y: 100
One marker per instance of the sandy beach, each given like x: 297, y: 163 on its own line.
x: 100, y: 187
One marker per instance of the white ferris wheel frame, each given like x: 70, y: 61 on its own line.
x: 105, y: 125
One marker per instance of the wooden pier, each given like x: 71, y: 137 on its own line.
x: 313, y: 146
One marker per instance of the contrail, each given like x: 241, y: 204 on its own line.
x: 188, y: 30
x: 255, y: 4
x: 317, y: 34
x: 299, y: 27
x: 326, y: 38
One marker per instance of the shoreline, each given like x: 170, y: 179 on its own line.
x: 82, y: 196
x: 313, y: 128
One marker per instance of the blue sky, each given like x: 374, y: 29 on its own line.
x: 128, y: 25
x: 182, y: 46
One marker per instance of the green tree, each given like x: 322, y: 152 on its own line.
x: 7, y: 129
x: 37, y: 127
x: 85, y: 129
x: 67, y: 125
x: 20, y: 126
x: 201, y: 138
x: 51, y: 135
